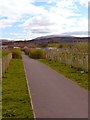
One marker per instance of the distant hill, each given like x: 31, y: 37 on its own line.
x: 58, y: 39
x: 45, y: 40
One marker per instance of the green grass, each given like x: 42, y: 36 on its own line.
x: 5, y: 52
x: 15, y: 96
x: 53, y: 45
x: 80, y: 78
x: 0, y: 53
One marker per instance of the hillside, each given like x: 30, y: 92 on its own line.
x: 59, y: 39
x: 44, y: 40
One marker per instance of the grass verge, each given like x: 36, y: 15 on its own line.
x: 15, y: 96
x: 80, y: 78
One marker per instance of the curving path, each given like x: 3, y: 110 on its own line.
x: 53, y: 95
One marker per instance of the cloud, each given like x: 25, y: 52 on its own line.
x: 14, y: 10
x: 78, y: 33
x: 69, y: 2
x: 55, y: 18
x: 56, y: 21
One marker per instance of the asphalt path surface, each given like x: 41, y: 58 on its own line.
x: 53, y: 95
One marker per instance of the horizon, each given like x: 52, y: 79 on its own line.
x: 78, y: 36
x: 29, y: 19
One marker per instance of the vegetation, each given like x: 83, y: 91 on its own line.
x: 0, y: 53
x: 53, y: 45
x: 40, y: 45
x: 35, y: 53
x: 81, y: 46
x: 16, y: 53
x: 73, y: 54
x: 5, y: 52
x: 15, y: 97
x: 61, y: 45
x: 71, y: 73
x: 26, y: 51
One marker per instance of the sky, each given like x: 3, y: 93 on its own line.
x: 28, y: 19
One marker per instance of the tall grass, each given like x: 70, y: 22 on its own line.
x: 82, y: 46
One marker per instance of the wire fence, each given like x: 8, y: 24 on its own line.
x: 74, y: 58
x: 5, y: 62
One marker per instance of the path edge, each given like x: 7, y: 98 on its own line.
x: 29, y: 91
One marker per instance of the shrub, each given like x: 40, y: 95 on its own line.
x: 26, y: 50
x: 60, y: 46
x: 5, y: 52
x: 42, y: 45
x: 37, y: 54
x: 16, y: 53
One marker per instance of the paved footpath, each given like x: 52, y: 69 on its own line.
x: 53, y: 95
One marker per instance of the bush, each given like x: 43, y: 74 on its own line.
x: 60, y: 46
x: 37, y: 54
x: 26, y: 50
x: 4, y: 52
x: 42, y: 45
x: 16, y: 53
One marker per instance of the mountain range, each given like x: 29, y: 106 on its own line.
x: 58, y: 39
x: 51, y: 39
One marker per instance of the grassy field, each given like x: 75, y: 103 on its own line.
x: 81, y: 46
x: 80, y: 78
x: 15, y: 96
